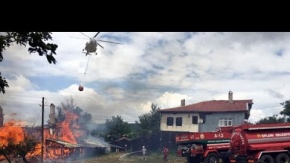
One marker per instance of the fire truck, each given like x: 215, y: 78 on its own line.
x: 264, y: 143
x: 204, y: 146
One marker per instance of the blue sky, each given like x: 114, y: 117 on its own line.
x: 150, y: 67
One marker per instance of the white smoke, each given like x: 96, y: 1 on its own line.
x: 96, y: 142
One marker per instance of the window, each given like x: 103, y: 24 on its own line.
x: 179, y: 121
x: 169, y: 121
x: 194, y: 119
x: 225, y: 122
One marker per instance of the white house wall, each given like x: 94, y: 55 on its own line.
x: 186, y: 122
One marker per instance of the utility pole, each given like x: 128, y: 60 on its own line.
x: 42, y: 130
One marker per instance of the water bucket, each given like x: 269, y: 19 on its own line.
x: 81, y: 88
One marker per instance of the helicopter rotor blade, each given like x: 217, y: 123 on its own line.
x: 96, y: 35
x: 100, y: 45
x: 109, y: 42
x: 84, y: 34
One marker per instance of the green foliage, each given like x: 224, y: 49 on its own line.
x: 37, y: 42
x: 99, y: 130
x: 77, y: 110
x: 13, y: 149
x: 8, y: 150
x: 116, y: 128
x: 26, y: 146
x: 286, y: 106
x: 3, y: 84
x: 134, y: 128
x: 271, y: 119
x: 85, y: 118
x: 149, y: 122
x: 60, y: 115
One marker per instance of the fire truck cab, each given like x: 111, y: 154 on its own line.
x: 204, y: 146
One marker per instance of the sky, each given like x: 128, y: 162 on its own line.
x: 149, y: 67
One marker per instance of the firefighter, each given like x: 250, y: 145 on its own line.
x: 144, y: 150
x: 165, y: 153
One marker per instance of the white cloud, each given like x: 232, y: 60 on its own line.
x: 145, y: 107
x: 256, y: 115
x: 170, y: 99
x: 151, y: 67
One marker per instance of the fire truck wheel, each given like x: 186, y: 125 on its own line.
x: 282, y: 158
x: 266, y: 159
x: 212, y: 158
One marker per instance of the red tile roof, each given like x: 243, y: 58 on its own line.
x: 213, y: 106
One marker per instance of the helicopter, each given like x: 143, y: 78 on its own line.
x: 91, y: 46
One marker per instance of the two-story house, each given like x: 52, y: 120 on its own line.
x: 206, y: 115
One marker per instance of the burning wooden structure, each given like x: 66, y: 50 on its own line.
x: 67, y: 140
x: 61, y: 150
x: 57, y: 149
x: 64, y: 140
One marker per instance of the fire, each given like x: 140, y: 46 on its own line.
x: 69, y: 122
x: 13, y: 130
x: 63, y: 131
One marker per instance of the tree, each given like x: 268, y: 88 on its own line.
x: 271, y: 119
x: 27, y: 145
x: 149, y: 122
x: 85, y: 118
x: 60, y: 115
x: 3, y: 84
x: 13, y: 149
x: 69, y: 105
x: 37, y: 44
x: 286, y: 105
x: 8, y: 150
x: 116, y: 128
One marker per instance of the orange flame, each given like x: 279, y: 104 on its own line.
x: 66, y: 125
x: 67, y: 131
x: 64, y: 131
x: 13, y: 130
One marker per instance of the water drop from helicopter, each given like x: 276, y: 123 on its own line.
x: 91, y: 47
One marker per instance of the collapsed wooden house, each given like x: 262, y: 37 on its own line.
x: 58, y: 149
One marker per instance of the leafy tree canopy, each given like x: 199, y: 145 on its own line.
x: 286, y: 105
x: 149, y: 122
x: 116, y: 128
x: 13, y: 149
x: 37, y: 43
x: 83, y: 117
x: 271, y: 119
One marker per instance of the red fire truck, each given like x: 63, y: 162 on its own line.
x: 265, y: 143
x: 204, y: 146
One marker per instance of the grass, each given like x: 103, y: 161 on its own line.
x: 114, y: 158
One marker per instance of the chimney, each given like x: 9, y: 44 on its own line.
x: 183, y: 102
x: 230, y: 97
x: 1, y: 117
x: 52, y: 115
